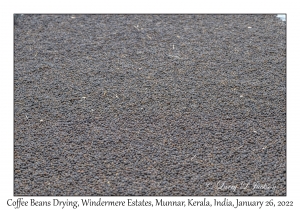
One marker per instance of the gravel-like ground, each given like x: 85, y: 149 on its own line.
x: 149, y: 104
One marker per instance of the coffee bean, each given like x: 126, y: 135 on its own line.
x: 149, y: 104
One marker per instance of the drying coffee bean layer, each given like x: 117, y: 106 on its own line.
x: 149, y: 104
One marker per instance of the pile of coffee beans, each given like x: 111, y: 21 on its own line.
x: 153, y: 105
